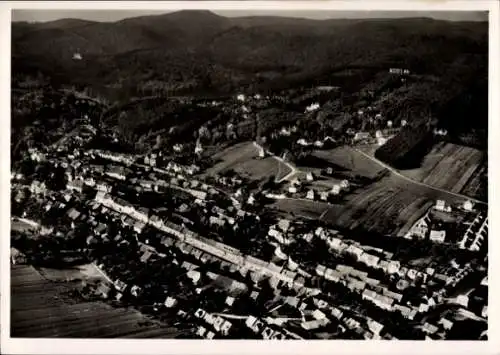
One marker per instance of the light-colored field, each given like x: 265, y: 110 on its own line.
x: 41, y: 308
x: 390, y: 205
x: 349, y: 160
x: 448, y: 166
x: 243, y: 158
x: 302, y: 207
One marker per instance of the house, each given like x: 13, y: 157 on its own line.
x: 312, y: 107
x: 374, y: 326
x: 73, y: 214
x: 407, y: 312
x: 310, y: 176
x: 354, y: 250
x: 194, y: 276
x: 462, y: 300
x: 310, y: 195
x: 76, y: 185
x: 323, y: 195
x: 344, y: 184
x: 484, y: 312
x: 447, y: 324
x: 117, y: 172
x: 437, y: 236
x: 321, y: 270
x: 396, y: 296
x: 354, y: 284
x: 423, y: 308
x: 361, y: 136
x: 368, y: 259
x: 429, y: 328
x: 441, y: 206
x: 38, y: 187
x: 217, y: 221
x: 120, y: 285
x: 335, y: 189
x: 468, y: 206
x: 337, y: 313
x: 333, y: 275
x: 230, y: 300
x: 284, y: 224
x: 292, y: 189
x: 135, y: 291
x: 100, y: 229
x: 139, y: 226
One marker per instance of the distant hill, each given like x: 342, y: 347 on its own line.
x: 188, y: 51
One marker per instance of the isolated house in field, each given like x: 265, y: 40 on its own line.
x: 437, y: 236
x: 421, y: 228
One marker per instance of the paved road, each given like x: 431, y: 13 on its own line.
x: 397, y: 173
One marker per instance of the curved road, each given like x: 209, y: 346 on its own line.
x: 397, y: 173
x: 293, y: 169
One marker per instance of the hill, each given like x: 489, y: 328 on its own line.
x: 161, y: 55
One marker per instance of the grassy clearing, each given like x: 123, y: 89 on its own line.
x: 346, y: 159
x: 243, y: 158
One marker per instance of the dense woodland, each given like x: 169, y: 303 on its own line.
x: 158, y: 56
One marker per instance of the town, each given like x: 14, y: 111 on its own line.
x: 237, y: 266
x: 256, y: 177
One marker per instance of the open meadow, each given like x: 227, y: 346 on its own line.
x: 347, y: 160
x: 43, y: 308
x: 244, y: 159
x: 451, y: 167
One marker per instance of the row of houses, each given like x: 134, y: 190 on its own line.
x: 475, y: 236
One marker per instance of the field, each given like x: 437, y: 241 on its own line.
x: 449, y: 166
x: 243, y: 158
x: 41, y: 308
x: 348, y: 160
x: 301, y: 207
x: 477, y: 186
x: 389, y: 206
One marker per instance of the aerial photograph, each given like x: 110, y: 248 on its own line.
x: 260, y: 174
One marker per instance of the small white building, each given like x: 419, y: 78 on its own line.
x: 468, y: 206
x: 344, y: 184
x: 441, y: 206
x: 312, y: 107
x: 170, y: 302
x: 437, y: 236
x: 335, y: 189
x: 310, y: 176
x: 310, y: 195
x: 292, y: 189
